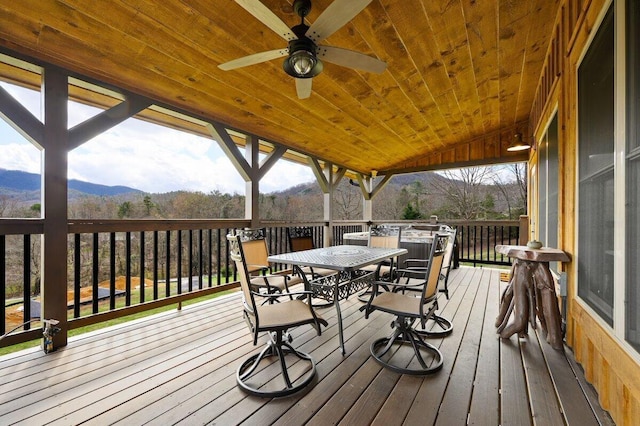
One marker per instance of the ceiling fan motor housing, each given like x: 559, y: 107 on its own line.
x: 302, y: 7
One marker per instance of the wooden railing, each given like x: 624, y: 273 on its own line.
x: 476, y: 239
x: 116, y: 268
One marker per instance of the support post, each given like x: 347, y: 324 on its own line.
x: 328, y: 205
x: 252, y: 198
x: 54, y: 201
x: 524, y: 230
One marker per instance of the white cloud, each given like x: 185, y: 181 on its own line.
x: 20, y: 156
x: 142, y: 155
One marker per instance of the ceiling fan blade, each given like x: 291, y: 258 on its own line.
x: 303, y: 87
x: 351, y: 59
x: 256, y: 58
x: 334, y: 17
x: 267, y: 17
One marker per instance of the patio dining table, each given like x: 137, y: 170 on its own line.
x: 347, y: 261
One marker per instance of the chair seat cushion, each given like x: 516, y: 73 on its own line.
x: 277, y: 281
x: 319, y: 271
x: 396, y: 303
x: 284, y: 315
x: 384, y: 269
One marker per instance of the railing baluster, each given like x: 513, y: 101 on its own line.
x: 95, y: 274
x: 210, y: 256
x: 155, y: 265
x: 127, y: 256
x: 26, y: 281
x: 200, y: 286
x: 112, y: 264
x: 190, y: 270
x: 167, y: 274
x: 77, y: 269
x: 3, y: 284
x: 179, y: 261
x: 219, y: 259
x: 143, y: 288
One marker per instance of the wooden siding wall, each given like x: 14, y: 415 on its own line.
x: 608, y: 366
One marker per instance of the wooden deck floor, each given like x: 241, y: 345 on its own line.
x: 179, y: 368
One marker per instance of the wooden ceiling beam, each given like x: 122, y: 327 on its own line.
x: 104, y: 121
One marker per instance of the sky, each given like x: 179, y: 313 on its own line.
x: 141, y: 155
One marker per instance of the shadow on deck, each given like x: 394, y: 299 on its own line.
x: 179, y: 367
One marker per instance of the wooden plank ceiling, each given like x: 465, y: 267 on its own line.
x: 461, y: 75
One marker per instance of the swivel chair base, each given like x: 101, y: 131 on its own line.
x: 405, y: 334
x: 279, y: 348
x: 445, y: 327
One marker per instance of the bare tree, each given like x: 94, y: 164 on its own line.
x: 512, y: 185
x: 462, y: 190
x: 7, y: 205
x: 347, y: 201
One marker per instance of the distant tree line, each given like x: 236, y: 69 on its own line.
x: 473, y: 193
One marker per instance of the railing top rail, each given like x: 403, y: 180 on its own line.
x: 106, y: 225
x: 284, y: 223
x: 21, y: 226
x: 35, y: 226
x: 454, y: 222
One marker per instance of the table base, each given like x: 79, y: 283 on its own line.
x: 530, y: 293
x: 339, y: 286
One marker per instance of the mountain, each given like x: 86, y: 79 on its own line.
x: 397, y: 181
x: 15, y: 182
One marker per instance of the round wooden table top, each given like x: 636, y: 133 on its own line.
x: 544, y: 254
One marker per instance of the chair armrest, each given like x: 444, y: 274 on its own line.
x: 409, y: 272
x: 276, y: 295
x: 416, y: 262
x: 256, y: 267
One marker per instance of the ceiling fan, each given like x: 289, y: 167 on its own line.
x: 303, y: 54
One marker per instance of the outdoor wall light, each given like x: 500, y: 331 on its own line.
x: 517, y: 144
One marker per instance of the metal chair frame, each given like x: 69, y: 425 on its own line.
x: 301, y: 238
x: 411, y: 311
x: 387, y: 236
x: 256, y: 252
x: 291, y: 313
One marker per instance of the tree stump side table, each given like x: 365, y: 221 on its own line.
x: 530, y: 292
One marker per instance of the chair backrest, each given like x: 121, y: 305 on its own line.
x: 237, y: 255
x: 425, y: 228
x: 384, y: 236
x: 436, y: 260
x: 255, y: 249
x: 300, y: 238
x: 448, y: 254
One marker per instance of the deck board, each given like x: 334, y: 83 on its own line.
x: 484, y: 408
x: 179, y: 368
x: 460, y: 387
x: 424, y: 409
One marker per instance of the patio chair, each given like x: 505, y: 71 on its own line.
x: 446, y: 263
x: 256, y: 252
x: 301, y: 238
x: 412, y: 310
x: 275, y: 319
x: 385, y: 236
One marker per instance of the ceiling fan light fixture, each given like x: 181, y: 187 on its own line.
x: 517, y: 144
x: 302, y: 62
